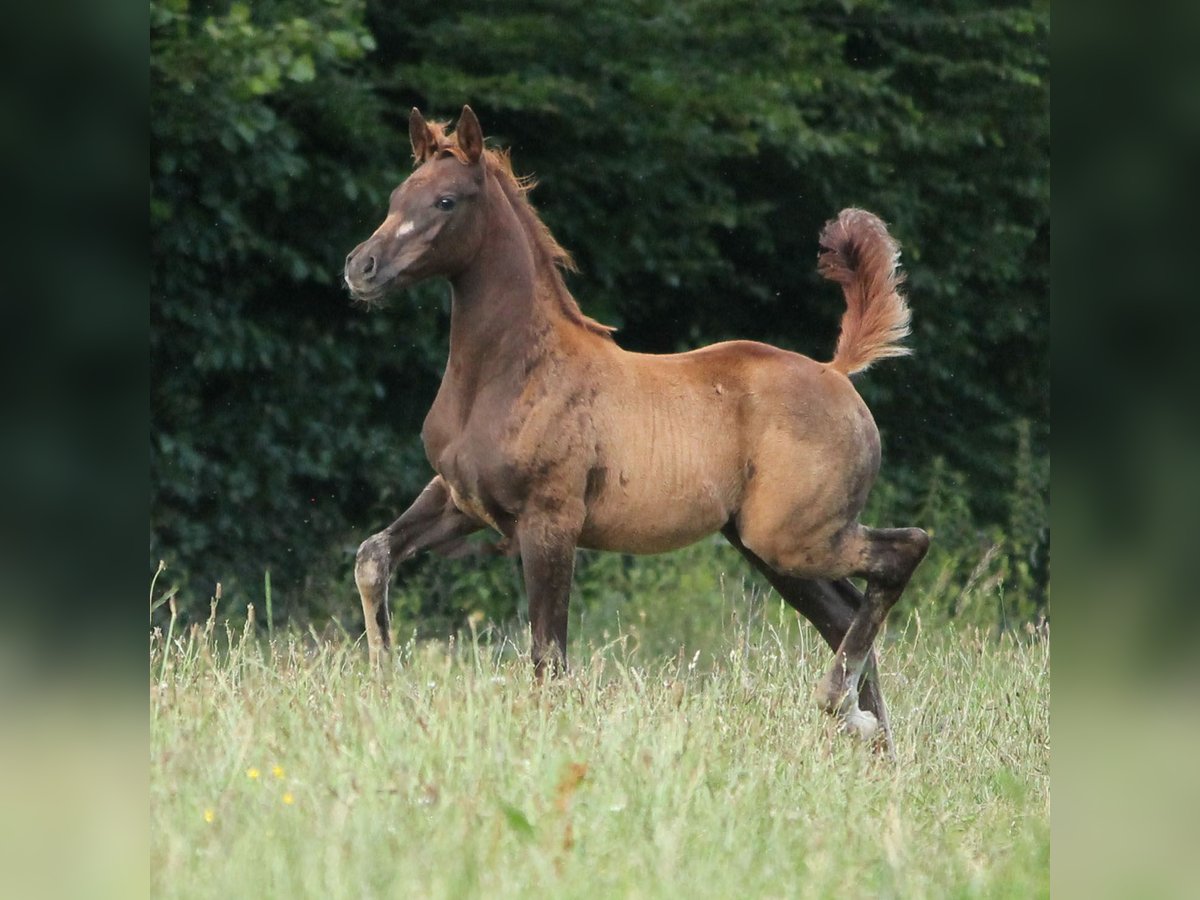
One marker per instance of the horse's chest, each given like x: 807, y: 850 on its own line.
x: 470, y: 488
x: 480, y: 480
x: 493, y: 456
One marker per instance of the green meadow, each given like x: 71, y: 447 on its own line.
x: 282, y: 767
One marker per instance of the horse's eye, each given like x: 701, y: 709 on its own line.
x: 445, y: 204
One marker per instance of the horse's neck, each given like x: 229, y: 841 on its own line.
x: 504, y: 313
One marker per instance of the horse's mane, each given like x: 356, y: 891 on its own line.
x: 549, y: 254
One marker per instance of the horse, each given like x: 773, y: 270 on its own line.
x: 546, y: 431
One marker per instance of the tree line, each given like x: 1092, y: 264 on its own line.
x: 687, y: 153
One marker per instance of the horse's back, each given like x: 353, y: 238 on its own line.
x: 765, y: 378
x: 723, y: 355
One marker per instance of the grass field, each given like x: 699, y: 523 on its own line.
x: 284, y: 769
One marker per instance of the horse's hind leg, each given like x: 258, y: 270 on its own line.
x: 432, y: 522
x: 887, y: 559
x: 870, y: 719
x: 836, y: 603
x: 831, y: 607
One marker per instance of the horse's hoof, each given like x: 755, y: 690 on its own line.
x: 833, y: 697
x: 860, y: 723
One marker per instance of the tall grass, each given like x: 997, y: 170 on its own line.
x: 285, y: 768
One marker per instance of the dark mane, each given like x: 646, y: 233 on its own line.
x: 549, y: 254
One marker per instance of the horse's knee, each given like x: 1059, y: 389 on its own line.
x: 371, y: 564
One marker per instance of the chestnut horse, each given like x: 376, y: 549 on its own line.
x: 548, y: 432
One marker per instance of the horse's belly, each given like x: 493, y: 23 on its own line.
x: 633, y: 523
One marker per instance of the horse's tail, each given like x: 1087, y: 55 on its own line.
x: 864, y: 259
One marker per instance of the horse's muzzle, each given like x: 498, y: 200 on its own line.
x: 362, y: 274
x: 361, y: 269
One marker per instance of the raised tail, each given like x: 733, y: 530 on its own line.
x: 860, y: 255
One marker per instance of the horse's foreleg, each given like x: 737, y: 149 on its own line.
x: 830, y: 606
x: 431, y: 522
x: 547, y: 550
x: 888, y: 558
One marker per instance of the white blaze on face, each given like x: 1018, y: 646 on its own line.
x: 405, y: 228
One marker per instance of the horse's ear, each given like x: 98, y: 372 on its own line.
x: 469, y: 135
x: 419, y: 134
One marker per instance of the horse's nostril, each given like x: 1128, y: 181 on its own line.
x: 369, y: 267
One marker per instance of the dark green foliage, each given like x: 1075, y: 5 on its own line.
x: 687, y: 152
x: 275, y: 402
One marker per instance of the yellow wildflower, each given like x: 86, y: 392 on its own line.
x: 209, y: 815
x: 277, y: 771
x: 288, y: 799
x: 252, y: 773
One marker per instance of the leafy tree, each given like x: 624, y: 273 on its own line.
x: 269, y: 427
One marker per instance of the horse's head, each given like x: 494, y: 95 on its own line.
x: 433, y: 225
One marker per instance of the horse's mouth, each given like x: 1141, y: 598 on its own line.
x: 367, y: 298
x: 375, y: 294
